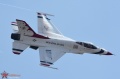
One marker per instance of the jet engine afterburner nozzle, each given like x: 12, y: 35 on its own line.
x: 15, y: 36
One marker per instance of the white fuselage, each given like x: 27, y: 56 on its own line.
x: 68, y: 46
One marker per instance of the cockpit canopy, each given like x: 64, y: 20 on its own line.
x: 87, y: 45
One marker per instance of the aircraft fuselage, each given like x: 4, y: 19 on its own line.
x: 68, y: 46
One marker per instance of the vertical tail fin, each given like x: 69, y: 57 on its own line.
x: 24, y: 28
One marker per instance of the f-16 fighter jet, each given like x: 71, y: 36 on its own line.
x: 52, y: 44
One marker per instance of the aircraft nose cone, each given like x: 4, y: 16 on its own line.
x: 108, y: 53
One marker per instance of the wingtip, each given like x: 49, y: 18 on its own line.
x: 42, y: 13
x: 16, y: 53
x: 18, y: 20
x: 48, y: 66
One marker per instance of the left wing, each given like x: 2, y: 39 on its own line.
x: 49, y: 55
x: 45, y: 26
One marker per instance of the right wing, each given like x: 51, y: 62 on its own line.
x: 49, y: 55
x: 18, y: 47
x: 45, y: 26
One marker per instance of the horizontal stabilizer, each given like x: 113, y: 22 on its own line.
x: 14, y: 23
x: 18, y: 47
x: 14, y: 26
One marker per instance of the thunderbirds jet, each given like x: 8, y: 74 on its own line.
x: 5, y: 75
x: 52, y: 44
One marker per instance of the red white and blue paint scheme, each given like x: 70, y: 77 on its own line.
x: 52, y: 44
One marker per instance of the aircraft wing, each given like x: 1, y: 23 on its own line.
x: 45, y: 26
x: 49, y: 55
x: 18, y: 47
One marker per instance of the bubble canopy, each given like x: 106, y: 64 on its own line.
x: 87, y: 45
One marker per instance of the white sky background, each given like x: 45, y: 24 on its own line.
x: 96, y: 21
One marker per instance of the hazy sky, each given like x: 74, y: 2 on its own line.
x: 96, y: 21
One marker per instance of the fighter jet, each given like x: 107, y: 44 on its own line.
x: 5, y: 75
x: 52, y: 44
